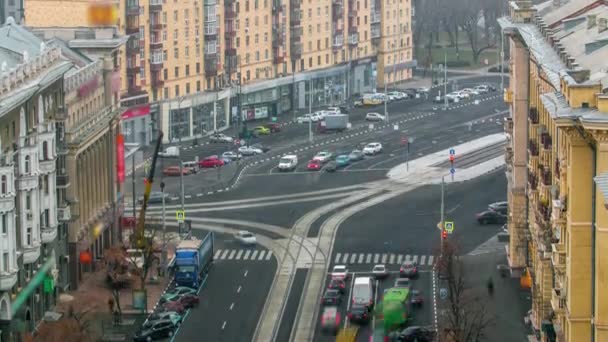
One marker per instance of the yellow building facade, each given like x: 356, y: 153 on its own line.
x: 557, y: 164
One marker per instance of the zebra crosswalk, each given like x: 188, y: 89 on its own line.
x: 243, y: 254
x: 382, y: 258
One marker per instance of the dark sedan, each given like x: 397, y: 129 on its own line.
x: 416, y: 334
x: 359, y: 314
x: 331, y: 297
x: 500, y: 207
x: 491, y: 217
x: 158, y: 330
x: 337, y: 284
x: 273, y: 127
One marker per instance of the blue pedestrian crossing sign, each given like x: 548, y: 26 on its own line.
x: 449, y: 227
x: 452, y: 171
x: 452, y: 151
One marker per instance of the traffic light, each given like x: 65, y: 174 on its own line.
x: 444, y: 234
x: 452, y: 158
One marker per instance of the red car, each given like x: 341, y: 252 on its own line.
x: 174, y: 171
x: 314, y: 165
x: 175, y: 306
x: 213, y: 161
x: 273, y: 127
x: 186, y: 300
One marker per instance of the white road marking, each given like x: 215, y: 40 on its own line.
x: 262, y: 253
x: 361, y: 256
x: 376, y: 258
x: 223, y: 325
x: 239, y: 289
x: 246, y: 257
x: 399, y: 258
x: 422, y: 259
x: 430, y: 260
x: 224, y: 254
x: 391, y: 259
x: 368, y: 259
x: 352, y: 258
x: 238, y: 255
x: 407, y: 258
x: 217, y: 254
x: 245, y: 274
x: 232, y: 252
x: 269, y: 255
x: 231, y: 306
x: 345, y: 258
x: 384, y: 256
x: 415, y: 258
x: 254, y: 254
x: 337, y: 260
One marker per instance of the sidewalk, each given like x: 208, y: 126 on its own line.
x: 507, y: 306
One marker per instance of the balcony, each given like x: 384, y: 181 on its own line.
x: 210, y: 29
x: 132, y: 46
x: 210, y: 66
x: 508, y: 125
x: 48, y: 234
x: 155, y: 43
x: 60, y: 114
x: 533, y: 148
x: 277, y: 40
x: 157, y: 81
x: 557, y: 211
x: 63, y: 181
x: 296, y: 33
x: 352, y: 13
x: 156, y: 25
x: 338, y: 42
x: 156, y: 64
x: 64, y: 213
x: 508, y: 96
x: 533, y: 116
x: 353, y: 39
x: 46, y: 166
x: 545, y: 140
x: 337, y: 12
x: 132, y: 29
x: 229, y: 13
x: 543, y: 213
x: 375, y: 17
x: 229, y: 30
x: 558, y: 301
x: 546, y: 177
x: 295, y: 18
x: 558, y: 256
x: 230, y: 62
x: 230, y: 51
x: 8, y: 279
x: 133, y: 69
x: 156, y: 5
x: 132, y: 8
x: 532, y: 181
x: 376, y: 33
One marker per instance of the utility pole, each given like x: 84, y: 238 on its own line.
x: 385, y: 95
x: 502, y: 58
x: 164, y: 253
x: 179, y: 152
x: 445, y: 80
x: 310, y: 137
x: 442, y: 223
x: 133, y: 183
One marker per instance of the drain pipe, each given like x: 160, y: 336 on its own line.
x: 593, y: 226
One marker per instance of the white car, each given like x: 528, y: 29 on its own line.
x: 470, y: 91
x: 220, y: 138
x: 482, y: 89
x: 306, y: 118
x: 452, y: 96
x: 372, y: 148
x: 462, y: 95
x: 231, y: 155
x: 422, y: 90
x: 323, y: 156
x: 245, y: 237
x: 374, y: 117
x: 380, y: 271
x: 334, y: 110
x: 249, y: 151
x: 171, y: 151
x: 339, y: 272
x: 321, y: 114
x: 288, y: 162
x: 397, y: 95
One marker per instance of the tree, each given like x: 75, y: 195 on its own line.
x: 466, y: 318
x: 472, y: 13
x: 73, y: 327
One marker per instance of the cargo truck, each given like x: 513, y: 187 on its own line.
x: 193, y: 258
x: 334, y: 123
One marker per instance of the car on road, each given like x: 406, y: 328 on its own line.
x: 273, y: 127
x: 500, y: 207
x: 261, y: 147
x: 314, y: 165
x: 374, y: 117
x: 356, y: 155
x: 231, y: 155
x: 358, y: 102
x: 156, y: 197
x: 380, y: 271
x: 288, y: 162
x: 409, y: 269
x: 173, y: 171
x: 330, y: 320
x: 331, y: 166
x: 175, y: 292
x: 306, y: 118
x: 482, y: 89
x: 245, y: 238
x: 359, y: 314
x: 331, y: 297
x: 491, y: 217
x: 470, y: 91
x: 452, y: 97
x: 323, y: 156
x: 172, y: 316
x: 414, y: 334
x: 403, y: 283
x: 210, y: 162
x: 397, y: 95
x: 220, y: 138
x: 249, y: 151
x: 342, y: 160
x: 261, y: 130
x: 372, y: 148
x: 337, y: 284
x: 422, y: 90
x: 170, y: 152
x: 339, y: 272
x: 416, y: 298
x: 333, y: 110
x: 158, y: 330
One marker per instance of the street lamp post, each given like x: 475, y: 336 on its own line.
x: 310, y: 136
x: 442, y: 222
x: 445, y: 80
x: 179, y: 153
x: 164, y: 253
x: 407, y: 157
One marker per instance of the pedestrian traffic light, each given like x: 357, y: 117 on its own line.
x: 444, y: 234
x: 451, y: 158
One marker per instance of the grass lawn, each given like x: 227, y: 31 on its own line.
x: 465, y: 54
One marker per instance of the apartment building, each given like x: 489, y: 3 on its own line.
x: 11, y: 8
x: 33, y: 244
x: 206, y: 64
x: 557, y: 163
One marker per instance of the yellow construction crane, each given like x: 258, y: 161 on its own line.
x: 347, y: 335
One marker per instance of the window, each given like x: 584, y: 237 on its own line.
x: 187, y: 69
x: 255, y: 4
x: 318, y: 28
x: 45, y: 184
x: 326, y: 42
x: 265, y: 19
x: 187, y: 33
x: 177, y: 90
x: 164, y: 17
x: 309, y: 46
x: 266, y: 54
x: 246, y: 5
x: 257, y: 38
x: 318, y: 11
x: 28, y: 236
x: 255, y: 21
x: 187, y: 51
x: 248, y: 75
x: 186, y: 14
x: 4, y: 185
x: 198, y: 67
x: 176, y: 72
x: 4, y: 223
x: 310, y: 13
x: 45, y: 150
x: 257, y: 56
x: 28, y: 201
x: 27, y: 165
x: 164, y: 35
x: 198, y: 85
x: 327, y: 58
x: 47, y: 217
x: 175, y: 34
x: 247, y: 41
x: 265, y: 36
x: 318, y: 44
x: 175, y: 53
x: 318, y: 60
x: 165, y: 74
x: 310, y: 62
x: 5, y: 261
x: 175, y: 15
x: 166, y: 93
x: 188, y: 88
x: 164, y: 55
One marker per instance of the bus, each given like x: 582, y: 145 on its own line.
x: 394, y: 310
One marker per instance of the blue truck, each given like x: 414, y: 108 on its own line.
x: 193, y: 258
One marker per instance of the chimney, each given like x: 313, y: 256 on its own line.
x: 602, y: 24
x: 591, y: 21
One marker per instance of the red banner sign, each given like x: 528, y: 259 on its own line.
x: 120, y: 158
x: 136, y: 112
x: 88, y: 87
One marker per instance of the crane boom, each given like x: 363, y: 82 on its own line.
x: 147, y: 190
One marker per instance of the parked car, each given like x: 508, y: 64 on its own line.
x: 245, y: 238
x: 156, y: 331
x: 173, y: 171
x: 174, y: 306
x: 491, y: 217
x: 355, y: 155
x: 172, y: 294
x: 231, y: 155
x: 172, y: 316
x: 380, y: 271
x: 249, y: 151
x: 500, y: 207
x: 220, y: 138
x: 372, y: 148
x: 374, y: 117
x: 408, y: 269
x: 342, y: 160
x: 314, y: 165
x: 187, y: 300
x: 331, y: 297
x: 210, y: 162
x: 273, y: 127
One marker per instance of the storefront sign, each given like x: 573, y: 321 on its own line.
x: 136, y: 112
x: 261, y: 113
x: 88, y: 87
x: 254, y: 114
x: 120, y: 158
x: 248, y: 114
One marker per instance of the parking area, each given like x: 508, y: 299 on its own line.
x: 421, y: 315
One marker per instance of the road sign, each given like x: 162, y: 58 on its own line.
x: 443, y: 293
x: 452, y: 151
x: 371, y: 127
x: 180, y: 215
x: 274, y: 119
x: 449, y: 226
x: 452, y: 171
x: 396, y: 127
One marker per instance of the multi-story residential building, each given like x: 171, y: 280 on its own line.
x: 207, y: 64
x: 557, y: 163
x: 11, y: 8
x: 32, y: 245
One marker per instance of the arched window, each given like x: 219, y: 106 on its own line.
x: 4, y: 184
x: 45, y: 150
x: 27, y: 164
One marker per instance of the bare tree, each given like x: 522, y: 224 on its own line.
x: 472, y: 12
x: 73, y: 327
x: 467, y: 317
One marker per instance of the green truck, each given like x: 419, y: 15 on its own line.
x: 394, y: 311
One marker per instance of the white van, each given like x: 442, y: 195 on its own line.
x: 288, y: 162
x: 363, y: 292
